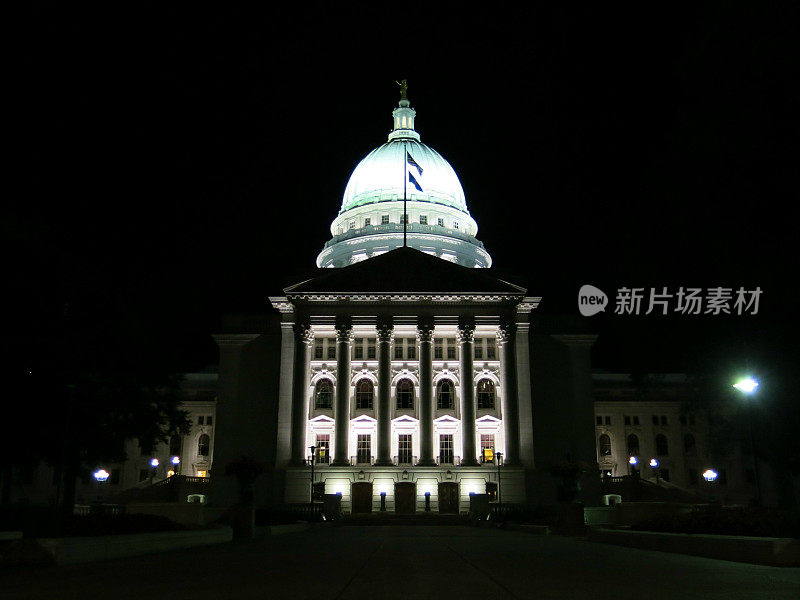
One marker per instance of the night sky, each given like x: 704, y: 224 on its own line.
x: 180, y: 163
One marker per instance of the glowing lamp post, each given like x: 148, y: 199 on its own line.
x: 748, y: 386
x: 499, y: 459
x: 101, y: 475
x: 654, y: 466
x: 153, y: 467
x: 632, y: 462
x: 311, y: 501
x: 710, y: 475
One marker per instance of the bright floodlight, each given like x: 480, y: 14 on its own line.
x: 154, y: 462
x: 747, y: 385
x: 101, y: 475
x: 709, y: 475
x: 633, y: 460
x: 653, y: 463
x: 176, y: 460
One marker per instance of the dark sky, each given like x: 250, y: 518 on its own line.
x: 182, y: 162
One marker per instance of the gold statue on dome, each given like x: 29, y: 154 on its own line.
x: 403, y: 89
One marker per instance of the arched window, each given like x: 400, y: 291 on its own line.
x: 323, y: 396
x: 485, y: 394
x: 689, y: 444
x: 662, y: 446
x: 444, y: 394
x: 605, y: 445
x: 365, y: 392
x: 203, y: 443
x: 175, y: 445
x: 633, y: 445
x: 405, y: 394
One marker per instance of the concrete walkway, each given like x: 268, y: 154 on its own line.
x: 407, y: 562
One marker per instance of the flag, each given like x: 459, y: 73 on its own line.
x: 413, y: 181
x: 413, y: 163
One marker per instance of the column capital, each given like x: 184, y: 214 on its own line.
x: 344, y: 333
x: 505, y: 333
x: 425, y: 331
x: 466, y: 333
x: 385, y: 332
x: 303, y: 334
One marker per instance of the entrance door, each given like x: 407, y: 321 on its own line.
x: 361, y: 497
x: 448, y: 497
x: 405, y: 497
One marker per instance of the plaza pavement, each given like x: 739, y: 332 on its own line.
x: 406, y: 562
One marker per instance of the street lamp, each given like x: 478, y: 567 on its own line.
x: 632, y: 462
x: 153, y: 466
x: 499, y: 459
x: 311, y: 501
x: 176, y: 464
x: 654, y: 466
x: 748, y: 386
x: 101, y: 475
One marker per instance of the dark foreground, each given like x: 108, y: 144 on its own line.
x: 407, y: 562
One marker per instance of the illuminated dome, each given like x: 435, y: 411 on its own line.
x: 370, y: 221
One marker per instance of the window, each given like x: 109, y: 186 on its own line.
x: 446, y: 449
x: 633, y: 445
x: 352, y: 225
x: 358, y: 349
x: 689, y: 444
x: 487, y: 447
x: 455, y: 224
x: 491, y: 351
x: 398, y: 349
x: 323, y: 396
x: 403, y: 218
x: 662, y: 446
x: 655, y: 419
x: 201, y: 420
x: 371, y: 348
x: 208, y: 419
x: 365, y: 392
x: 423, y: 219
x: 384, y: 219
x: 367, y: 221
x: 318, y: 349
x: 444, y: 394
x: 605, y: 445
x: 608, y: 420
x: 440, y: 222
x: 203, y: 443
x: 599, y: 420
x: 364, y: 449
x: 438, y: 352
x: 631, y: 420
x: 451, y: 348
x: 331, y: 348
x: 635, y: 420
x: 404, y: 449
x: 175, y: 445
x: 411, y: 348
x: 663, y: 419
x: 323, y: 448
x: 478, y: 349
x: 627, y: 420
x: 405, y: 394
x: 485, y: 394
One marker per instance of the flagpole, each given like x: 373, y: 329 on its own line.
x: 405, y: 182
